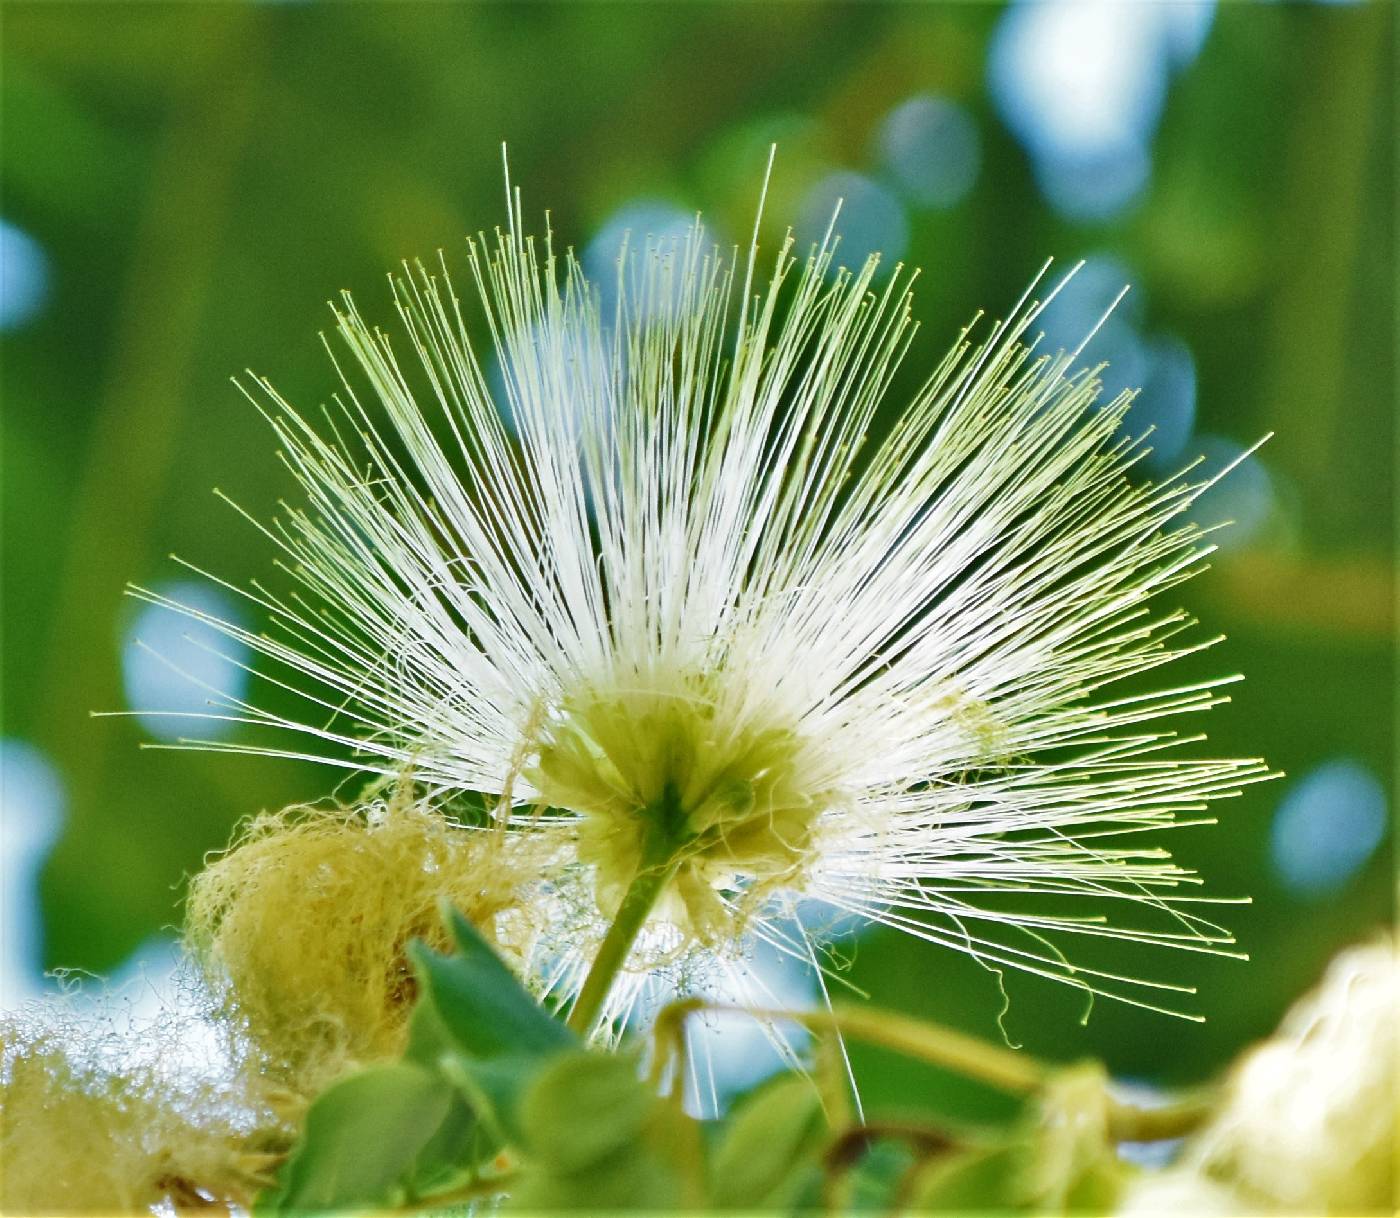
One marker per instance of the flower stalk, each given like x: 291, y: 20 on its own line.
x: 1005, y: 1069
x: 661, y: 856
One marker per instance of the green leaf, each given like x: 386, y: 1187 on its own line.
x: 772, y: 1144
x: 979, y: 1180
x: 460, y: 1142
x: 583, y: 1107
x: 479, y: 1026
x: 454, y: 1151
x: 1074, y: 1164
x: 483, y: 1009
x: 477, y: 1041
x: 648, y: 1173
x: 594, y: 1135
x: 362, y: 1137
x: 428, y: 1038
x: 874, y: 1184
x: 495, y: 1087
x: 634, y: 1179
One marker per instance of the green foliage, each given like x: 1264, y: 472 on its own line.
x: 594, y: 1135
x: 562, y: 1110
x: 495, y: 1097
x: 482, y: 1008
x: 877, y: 1182
x: 361, y: 1139
x: 975, y: 1180
x: 489, y: 1078
x: 768, y: 1156
x: 1058, y: 1159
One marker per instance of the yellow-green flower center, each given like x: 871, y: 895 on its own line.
x: 660, y: 775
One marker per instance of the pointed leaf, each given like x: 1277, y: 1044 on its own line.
x: 583, y: 1107
x: 361, y: 1138
x: 483, y: 1008
x: 979, y: 1180
x: 770, y: 1147
x: 428, y: 1038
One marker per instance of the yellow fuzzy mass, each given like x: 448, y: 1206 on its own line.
x: 304, y: 923
x: 84, y: 1133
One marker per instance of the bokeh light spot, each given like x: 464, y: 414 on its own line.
x: 31, y: 815
x: 1327, y: 826
x: 1186, y: 27
x: 635, y: 226
x: 1160, y: 368
x: 24, y: 277
x: 930, y: 147
x: 1118, y: 345
x: 1077, y: 307
x: 1245, y: 497
x: 175, y: 667
x: 1167, y: 402
x: 1097, y: 187
x: 1092, y: 303
x: 1082, y: 84
x: 1079, y: 77
x: 872, y: 219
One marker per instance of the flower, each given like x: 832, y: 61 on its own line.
x: 1308, y: 1122
x: 677, y: 583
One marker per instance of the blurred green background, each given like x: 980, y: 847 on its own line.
x: 186, y: 184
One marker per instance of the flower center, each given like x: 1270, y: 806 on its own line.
x: 660, y: 773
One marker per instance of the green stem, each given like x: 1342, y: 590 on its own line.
x: 1006, y: 1069
x: 660, y: 859
x: 1002, y: 1068
x: 632, y: 914
x: 477, y: 1189
x: 1128, y: 1123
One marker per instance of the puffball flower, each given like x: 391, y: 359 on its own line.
x: 673, y: 582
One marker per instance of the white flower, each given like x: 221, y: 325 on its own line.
x: 1178, y: 1192
x: 1308, y: 1125
x: 681, y: 583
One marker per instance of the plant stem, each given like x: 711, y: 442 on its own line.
x: 660, y: 858
x: 1129, y: 1123
x: 1003, y: 1068
x: 1007, y: 1069
x: 641, y: 895
x: 474, y: 1191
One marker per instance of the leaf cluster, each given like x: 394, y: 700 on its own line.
x: 496, y: 1100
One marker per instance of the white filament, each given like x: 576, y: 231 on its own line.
x: 698, y: 484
